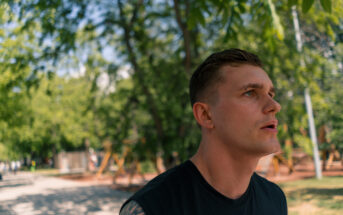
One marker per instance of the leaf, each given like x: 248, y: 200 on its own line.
x: 242, y: 7
x: 196, y: 17
x: 326, y: 4
x: 307, y: 4
x: 330, y: 32
x: 292, y: 2
x: 276, y: 21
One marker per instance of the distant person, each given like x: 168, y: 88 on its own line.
x: 14, y: 167
x: 33, y: 166
x: 93, y: 160
x: 2, y: 167
x: 233, y: 102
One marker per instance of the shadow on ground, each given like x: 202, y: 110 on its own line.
x: 81, y: 200
x: 322, y: 193
x: 15, y: 182
x: 325, y: 192
x: 14, y: 185
x: 324, y: 199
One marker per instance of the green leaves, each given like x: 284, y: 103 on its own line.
x: 157, y: 55
x: 326, y: 4
x: 196, y: 17
x: 292, y: 2
x: 276, y: 21
x: 307, y: 4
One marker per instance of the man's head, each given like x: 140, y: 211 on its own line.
x: 207, y: 76
x: 233, y: 102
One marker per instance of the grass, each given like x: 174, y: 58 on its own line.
x: 315, y: 197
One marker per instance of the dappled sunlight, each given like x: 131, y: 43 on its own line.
x: 67, y: 201
x: 311, y: 196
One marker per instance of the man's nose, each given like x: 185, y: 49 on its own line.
x: 272, y: 106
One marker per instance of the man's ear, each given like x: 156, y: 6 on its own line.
x: 202, y: 115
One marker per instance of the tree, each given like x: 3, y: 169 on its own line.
x: 162, y: 42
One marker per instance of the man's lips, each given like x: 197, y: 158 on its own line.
x: 270, y: 126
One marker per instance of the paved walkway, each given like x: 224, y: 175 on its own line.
x: 27, y: 194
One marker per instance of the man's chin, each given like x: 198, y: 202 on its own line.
x: 276, y: 149
x: 271, y: 148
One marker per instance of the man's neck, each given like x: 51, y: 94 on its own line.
x: 229, y: 173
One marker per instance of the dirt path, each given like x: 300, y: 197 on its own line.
x: 304, y: 170
x: 27, y: 194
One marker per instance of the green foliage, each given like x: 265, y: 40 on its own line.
x: 159, y: 43
x: 276, y: 21
x: 306, y: 5
x: 148, y: 167
x: 305, y: 143
x: 333, y: 113
x: 55, y: 118
x: 326, y: 4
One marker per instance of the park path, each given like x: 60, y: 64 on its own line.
x: 26, y: 194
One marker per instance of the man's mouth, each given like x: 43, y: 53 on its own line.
x: 270, y: 126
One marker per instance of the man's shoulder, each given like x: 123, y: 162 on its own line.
x: 160, y: 191
x: 164, y: 181
x: 269, y: 191
x: 269, y: 194
x: 267, y: 185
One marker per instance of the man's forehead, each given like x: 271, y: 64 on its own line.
x: 246, y: 76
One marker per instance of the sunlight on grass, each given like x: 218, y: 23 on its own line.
x: 48, y: 172
x: 311, y: 196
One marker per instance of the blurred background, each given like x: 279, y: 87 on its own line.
x: 94, y: 94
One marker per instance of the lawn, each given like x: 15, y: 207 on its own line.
x: 315, y: 197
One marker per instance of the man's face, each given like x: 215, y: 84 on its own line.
x: 244, y: 114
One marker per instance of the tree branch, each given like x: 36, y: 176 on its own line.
x: 134, y: 14
x: 186, y: 37
x: 132, y: 58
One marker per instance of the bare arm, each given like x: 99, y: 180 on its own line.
x: 132, y: 208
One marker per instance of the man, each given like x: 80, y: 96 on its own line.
x: 233, y: 102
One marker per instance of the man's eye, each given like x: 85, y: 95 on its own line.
x: 249, y: 93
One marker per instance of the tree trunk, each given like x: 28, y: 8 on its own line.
x: 185, y: 35
x: 139, y: 72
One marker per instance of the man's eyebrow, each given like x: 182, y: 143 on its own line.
x: 252, y: 85
x: 256, y: 86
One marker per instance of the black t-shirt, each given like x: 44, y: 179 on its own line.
x: 183, y: 190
